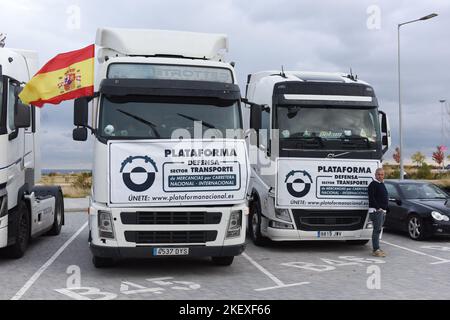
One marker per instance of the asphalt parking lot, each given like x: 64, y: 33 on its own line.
x: 60, y: 268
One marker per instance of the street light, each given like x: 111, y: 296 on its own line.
x: 402, y: 171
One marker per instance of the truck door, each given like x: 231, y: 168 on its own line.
x: 264, y: 143
x: 16, y: 145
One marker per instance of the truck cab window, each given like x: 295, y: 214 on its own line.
x: 10, y: 106
x: 264, y: 134
x: 1, y: 105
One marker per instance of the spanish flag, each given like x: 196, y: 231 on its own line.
x: 67, y: 76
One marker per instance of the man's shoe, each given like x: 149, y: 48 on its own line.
x: 379, y: 253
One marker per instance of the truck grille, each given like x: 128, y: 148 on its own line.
x: 345, y: 220
x: 164, y: 217
x: 148, y: 237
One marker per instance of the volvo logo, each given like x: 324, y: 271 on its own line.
x: 138, y: 173
x: 298, y: 183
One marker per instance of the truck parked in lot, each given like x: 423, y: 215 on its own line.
x: 26, y: 211
x: 319, y: 139
x: 170, y: 173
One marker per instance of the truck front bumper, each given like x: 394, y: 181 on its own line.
x: 300, y: 235
x: 147, y: 251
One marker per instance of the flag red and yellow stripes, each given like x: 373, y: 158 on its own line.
x: 67, y: 76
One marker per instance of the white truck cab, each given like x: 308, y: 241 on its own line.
x: 317, y: 140
x: 26, y: 210
x: 170, y: 172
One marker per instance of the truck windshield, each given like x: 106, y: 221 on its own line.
x: 166, y: 118
x: 328, y: 123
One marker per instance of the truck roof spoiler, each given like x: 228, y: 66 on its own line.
x: 143, y: 42
x: 180, y: 88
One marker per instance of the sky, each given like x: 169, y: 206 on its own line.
x: 328, y: 36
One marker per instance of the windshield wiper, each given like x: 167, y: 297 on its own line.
x: 146, y: 122
x: 353, y: 141
x: 206, y: 124
x: 310, y: 140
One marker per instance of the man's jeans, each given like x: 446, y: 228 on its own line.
x: 377, y: 219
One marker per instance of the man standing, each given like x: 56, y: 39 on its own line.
x: 378, y: 205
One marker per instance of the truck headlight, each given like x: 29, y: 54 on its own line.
x: 280, y: 225
x: 235, y: 224
x: 3, y: 206
x: 439, y: 216
x: 283, y: 214
x: 105, y: 225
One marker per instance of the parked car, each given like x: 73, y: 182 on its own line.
x: 420, y: 208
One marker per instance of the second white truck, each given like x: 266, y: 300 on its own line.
x: 319, y: 139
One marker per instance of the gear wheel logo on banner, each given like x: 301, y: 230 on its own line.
x: 138, y: 173
x: 298, y: 183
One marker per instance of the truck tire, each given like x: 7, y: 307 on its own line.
x: 17, y: 250
x: 255, y: 225
x: 100, y: 262
x: 59, y: 215
x: 358, y: 242
x: 222, y: 261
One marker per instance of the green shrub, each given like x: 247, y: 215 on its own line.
x: 83, y: 181
x: 424, y: 172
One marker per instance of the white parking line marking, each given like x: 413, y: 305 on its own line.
x: 278, y: 282
x: 441, y: 260
x: 42, y: 269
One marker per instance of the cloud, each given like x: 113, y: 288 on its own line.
x: 265, y: 35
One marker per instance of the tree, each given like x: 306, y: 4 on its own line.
x: 396, y: 155
x: 418, y: 158
x: 438, y: 155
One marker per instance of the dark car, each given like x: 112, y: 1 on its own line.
x: 419, y: 208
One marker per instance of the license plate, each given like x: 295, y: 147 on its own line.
x: 329, y: 234
x: 170, y: 251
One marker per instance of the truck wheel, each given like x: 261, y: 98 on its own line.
x: 222, y: 261
x: 255, y: 225
x: 358, y: 242
x: 59, y: 215
x: 17, y: 250
x: 100, y: 262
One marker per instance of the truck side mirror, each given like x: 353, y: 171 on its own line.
x: 80, y: 134
x: 255, y: 117
x: 22, y: 115
x: 385, y: 131
x: 22, y: 112
x: 81, y: 112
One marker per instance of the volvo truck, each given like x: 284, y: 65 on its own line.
x: 170, y: 172
x: 26, y: 210
x: 317, y: 139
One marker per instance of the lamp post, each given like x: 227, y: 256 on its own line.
x: 402, y: 171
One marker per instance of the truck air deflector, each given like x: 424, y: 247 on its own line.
x: 180, y: 88
x: 332, y: 94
